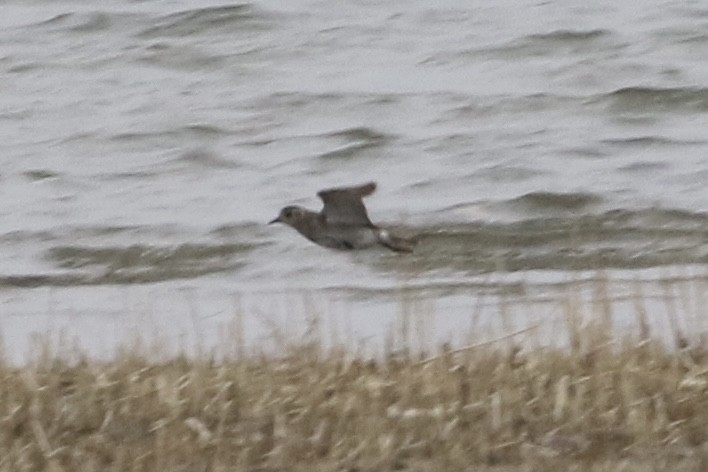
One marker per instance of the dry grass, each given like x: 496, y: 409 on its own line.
x: 601, y: 405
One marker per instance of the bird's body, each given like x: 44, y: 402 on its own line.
x: 343, y: 222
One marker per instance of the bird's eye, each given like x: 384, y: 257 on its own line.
x: 288, y: 212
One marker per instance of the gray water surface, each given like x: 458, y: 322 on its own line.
x: 145, y: 144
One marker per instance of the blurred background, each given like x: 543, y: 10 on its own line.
x: 538, y: 148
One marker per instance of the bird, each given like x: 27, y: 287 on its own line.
x: 343, y: 222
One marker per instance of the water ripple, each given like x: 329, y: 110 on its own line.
x: 647, y: 100
x: 146, y: 264
x: 227, y: 18
x: 357, y: 141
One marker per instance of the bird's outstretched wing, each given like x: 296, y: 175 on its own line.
x: 344, y: 206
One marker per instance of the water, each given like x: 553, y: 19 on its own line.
x: 145, y: 144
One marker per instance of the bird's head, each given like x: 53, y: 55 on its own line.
x: 290, y: 215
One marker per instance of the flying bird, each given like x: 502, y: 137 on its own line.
x: 343, y: 222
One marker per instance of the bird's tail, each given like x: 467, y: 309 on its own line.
x: 396, y: 243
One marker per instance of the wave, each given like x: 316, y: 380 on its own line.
x: 533, y: 45
x: 556, y: 201
x: 617, y: 239
x: 559, y: 233
x: 134, y: 264
x: 357, y: 140
x: 646, y: 100
x: 231, y: 18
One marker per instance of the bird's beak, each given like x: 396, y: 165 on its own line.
x: 275, y: 220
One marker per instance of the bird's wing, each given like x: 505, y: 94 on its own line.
x: 344, y: 206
